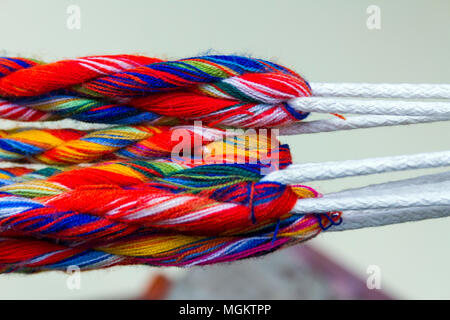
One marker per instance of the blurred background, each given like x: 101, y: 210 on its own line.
x: 325, y: 41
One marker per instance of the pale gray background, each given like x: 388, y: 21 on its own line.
x: 324, y: 41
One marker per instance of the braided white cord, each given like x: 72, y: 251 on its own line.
x: 368, y: 209
x: 419, y: 198
x: 392, y: 186
x: 362, y: 106
x: 357, y: 122
x: 303, y: 127
x: 57, y: 124
x: 382, y: 90
x: 299, y: 173
x: 428, y: 195
x: 357, y: 219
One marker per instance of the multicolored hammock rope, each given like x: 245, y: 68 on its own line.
x: 150, y: 212
x: 70, y: 146
x: 20, y: 174
x: 125, y: 89
x: 155, y: 189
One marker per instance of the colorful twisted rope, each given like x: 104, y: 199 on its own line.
x: 12, y: 173
x: 20, y: 174
x: 152, y: 200
x: 126, y: 89
x: 50, y: 181
x: 150, y: 212
x: 69, y: 146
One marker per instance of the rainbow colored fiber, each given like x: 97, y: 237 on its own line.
x: 128, y: 89
x: 20, y: 174
x: 70, y: 146
x: 154, y: 188
x: 150, y: 212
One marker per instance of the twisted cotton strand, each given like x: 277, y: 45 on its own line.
x: 70, y: 146
x: 124, y: 89
x: 188, y: 216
